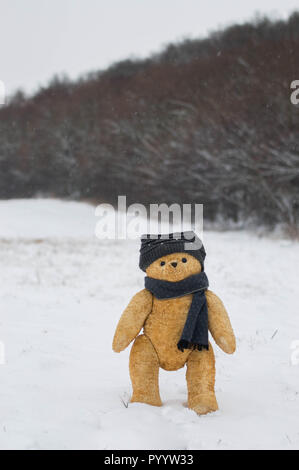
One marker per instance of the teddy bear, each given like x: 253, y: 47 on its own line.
x: 176, y: 311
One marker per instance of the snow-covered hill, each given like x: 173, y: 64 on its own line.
x: 61, y: 294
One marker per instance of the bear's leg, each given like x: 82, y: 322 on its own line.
x: 200, y: 377
x: 144, y: 372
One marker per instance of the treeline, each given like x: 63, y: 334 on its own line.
x: 207, y: 121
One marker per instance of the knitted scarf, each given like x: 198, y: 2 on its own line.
x: 195, y: 332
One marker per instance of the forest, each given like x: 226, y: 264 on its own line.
x: 203, y: 121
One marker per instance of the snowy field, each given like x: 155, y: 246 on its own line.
x: 62, y: 293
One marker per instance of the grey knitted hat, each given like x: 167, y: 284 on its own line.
x: 154, y: 247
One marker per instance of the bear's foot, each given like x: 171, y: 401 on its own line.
x: 144, y: 371
x: 200, y: 380
x: 204, y: 403
x: 149, y: 400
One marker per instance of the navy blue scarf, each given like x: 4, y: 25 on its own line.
x: 195, y: 332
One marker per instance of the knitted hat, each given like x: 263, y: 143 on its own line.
x: 155, y: 246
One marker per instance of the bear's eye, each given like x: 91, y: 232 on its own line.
x: 184, y: 260
x: 162, y: 263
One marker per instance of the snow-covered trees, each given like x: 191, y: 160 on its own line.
x: 207, y: 121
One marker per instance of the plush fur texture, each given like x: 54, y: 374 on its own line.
x: 163, y: 322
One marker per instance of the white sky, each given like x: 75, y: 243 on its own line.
x: 39, y: 38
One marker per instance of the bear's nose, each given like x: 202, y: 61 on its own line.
x: 174, y: 264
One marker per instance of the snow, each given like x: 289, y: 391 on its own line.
x: 45, y: 218
x: 61, y: 295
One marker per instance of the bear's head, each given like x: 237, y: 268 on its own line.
x: 174, y: 267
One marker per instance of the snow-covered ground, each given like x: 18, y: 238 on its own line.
x: 61, y: 294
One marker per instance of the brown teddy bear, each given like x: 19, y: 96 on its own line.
x: 175, y: 310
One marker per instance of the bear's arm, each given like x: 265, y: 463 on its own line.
x: 132, y: 320
x: 219, y: 324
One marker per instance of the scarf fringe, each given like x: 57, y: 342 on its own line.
x: 183, y: 344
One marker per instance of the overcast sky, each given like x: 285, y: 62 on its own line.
x: 39, y: 38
